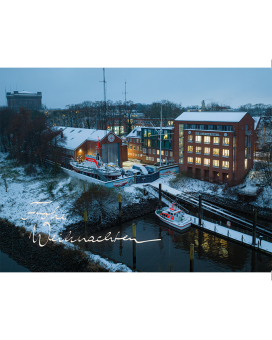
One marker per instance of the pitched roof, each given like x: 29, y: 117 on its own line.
x: 212, y: 116
x: 133, y: 133
x: 77, y: 136
x: 256, y: 121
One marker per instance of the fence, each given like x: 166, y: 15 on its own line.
x: 147, y: 178
x: 241, y: 230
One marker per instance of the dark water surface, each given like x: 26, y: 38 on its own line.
x: 172, y: 253
x: 9, y: 265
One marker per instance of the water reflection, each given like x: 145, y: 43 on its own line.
x: 172, y: 253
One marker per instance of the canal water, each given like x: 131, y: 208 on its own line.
x: 172, y: 252
x: 7, y: 264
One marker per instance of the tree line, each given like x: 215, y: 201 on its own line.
x: 26, y: 136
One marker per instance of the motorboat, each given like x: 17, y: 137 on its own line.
x: 175, y: 217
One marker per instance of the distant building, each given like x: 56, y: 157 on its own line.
x: 32, y: 101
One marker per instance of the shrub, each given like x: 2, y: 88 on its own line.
x: 30, y: 170
x: 56, y: 169
x: 98, y: 200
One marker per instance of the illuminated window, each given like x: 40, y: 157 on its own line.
x: 206, y: 151
x: 246, y: 152
x: 245, y: 164
x: 171, y: 154
x: 149, y: 142
x: 165, y: 136
x: 207, y: 139
x: 216, y: 152
x: 216, y: 140
x: 225, y: 153
x: 198, y: 160
x: 206, y: 161
x: 198, y: 149
x: 225, y: 164
x: 190, y: 148
x: 137, y: 148
x: 190, y: 138
x: 158, y: 152
x: 145, y: 132
x: 225, y: 140
x: 216, y: 163
x: 190, y: 159
x: 198, y: 139
x: 162, y: 152
x: 149, y: 133
x: 158, y: 160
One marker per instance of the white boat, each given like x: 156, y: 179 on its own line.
x: 93, y: 166
x: 175, y: 217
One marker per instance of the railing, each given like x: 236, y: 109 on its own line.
x: 244, y: 231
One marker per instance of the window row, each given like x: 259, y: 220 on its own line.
x: 149, y: 133
x: 132, y: 140
x: 154, y: 151
x: 155, y: 143
x: 207, y: 162
x: 208, y: 127
x: 135, y: 147
x: 207, y: 151
x: 207, y: 139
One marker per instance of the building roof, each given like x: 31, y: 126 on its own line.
x: 25, y: 92
x: 77, y: 136
x: 212, y: 116
x: 256, y: 122
x: 133, y: 133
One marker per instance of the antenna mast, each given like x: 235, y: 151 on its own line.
x: 105, y: 102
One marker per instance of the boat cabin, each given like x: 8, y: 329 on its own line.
x: 171, y: 213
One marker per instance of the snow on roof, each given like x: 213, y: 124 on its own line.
x: 212, y: 116
x: 77, y: 136
x: 256, y: 121
x: 22, y: 92
x: 133, y: 133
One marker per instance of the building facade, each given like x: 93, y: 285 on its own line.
x: 32, y: 101
x: 215, y: 146
x: 144, y: 144
x: 81, y: 142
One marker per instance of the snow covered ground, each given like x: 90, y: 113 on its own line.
x: 42, y: 200
x: 190, y: 185
x: 31, y: 200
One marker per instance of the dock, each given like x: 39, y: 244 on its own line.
x: 215, y: 228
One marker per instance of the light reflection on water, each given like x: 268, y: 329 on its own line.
x: 172, y: 253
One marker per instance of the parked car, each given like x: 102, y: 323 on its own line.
x: 150, y: 169
x: 140, y: 168
x: 131, y: 172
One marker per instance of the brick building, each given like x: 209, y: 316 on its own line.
x: 82, y: 142
x: 215, y: 146
x: 33, y: 101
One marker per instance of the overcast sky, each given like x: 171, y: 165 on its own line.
x: 189, y: 86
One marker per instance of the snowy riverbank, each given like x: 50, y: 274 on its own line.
x: 42, y: 199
